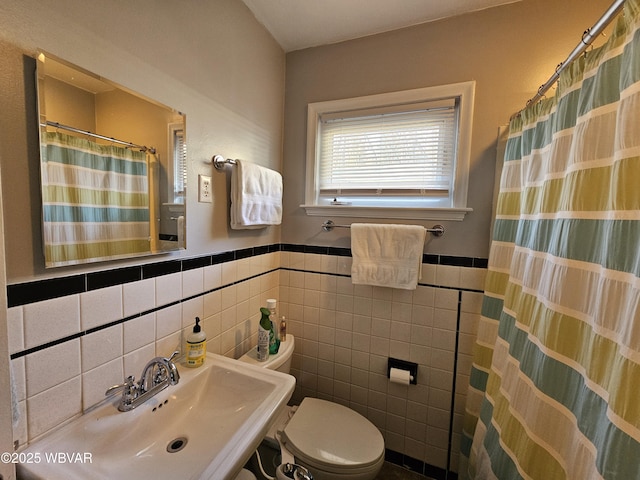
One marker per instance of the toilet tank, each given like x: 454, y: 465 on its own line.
x: 280, y: 361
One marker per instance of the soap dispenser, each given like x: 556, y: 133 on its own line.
x: 196, y: 346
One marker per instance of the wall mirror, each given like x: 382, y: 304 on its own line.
x: 113, y: 168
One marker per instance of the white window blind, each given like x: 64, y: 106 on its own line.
x: 179, y: 164
x: 402, y: 150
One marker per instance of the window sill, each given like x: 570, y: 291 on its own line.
x: 453, y: 214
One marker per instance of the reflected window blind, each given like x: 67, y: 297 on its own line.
x: 180, y: 163
x: 392, y: 152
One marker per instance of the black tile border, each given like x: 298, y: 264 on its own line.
x: 48, y: 289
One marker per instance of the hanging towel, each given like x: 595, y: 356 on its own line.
x: 256, y: 196
x: 387, y: 255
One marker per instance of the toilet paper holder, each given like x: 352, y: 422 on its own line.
x: 411, y: 367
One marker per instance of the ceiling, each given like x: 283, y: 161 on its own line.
x: 298, y: 24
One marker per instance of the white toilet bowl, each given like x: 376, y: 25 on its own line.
x: 334, y: 442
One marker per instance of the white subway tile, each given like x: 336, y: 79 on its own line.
x: 139, y: 296
x: 402, y: 296
x: 365, y: 291
x: 214, y: 326
x: 361, y: 342
x: 429, y: 274
x: 311, y: 298
x: 52, y: 407
x: 343, y: 266
x: 165, y: 346
x: 400, y: 331
x: 422, y: 315
x: 51, y: 320
x: 472, y: 302
x: 448, y: 276
x: 168, y: 288
x: 139, y: 332
x: 362, y: 306
x: 311, y: 315
x: 96, y: 382
x: 15, y: 329
x: 344, y: 303
x: 473, y: 278
x: 398, y: 349
x: 168, y: 321
x: 445, y: 319
x: 446, y: 298
x: 190, y: 310
x: 101, y: 347
x: 380, y: 346
x: 401, y: 312
x: 212, y: 276
x: 99, y: 307
x: 383, y: 293
x: 229, y: 272
x: 313, y: 262
x: 421, y: 335
x: 51, y: 366
x: 329, y: 264
x: 245, y: 268
x: 296, y: 260
x: 424, y: 296
x: 192, y: 282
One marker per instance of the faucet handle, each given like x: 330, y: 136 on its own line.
x: 173, y: 355
x: 127, y: 386
x: 172, y: 370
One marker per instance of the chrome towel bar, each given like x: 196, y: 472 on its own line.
x: 219, y: 162
x: 328, y: 225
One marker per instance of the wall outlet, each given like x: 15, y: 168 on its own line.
x: 204, y: 189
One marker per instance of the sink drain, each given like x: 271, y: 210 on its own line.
x: 177, y: 444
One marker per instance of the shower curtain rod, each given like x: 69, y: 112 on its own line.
x: 102, y: 137
x: 587, y: 38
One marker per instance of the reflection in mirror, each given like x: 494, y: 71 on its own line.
x: 113, y: 169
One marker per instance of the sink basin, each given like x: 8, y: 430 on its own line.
x: 205, y: 427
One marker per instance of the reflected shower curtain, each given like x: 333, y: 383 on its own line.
x: 555, y: 384
x: 95, y: 201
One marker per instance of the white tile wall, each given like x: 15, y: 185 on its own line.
x: 344, y: 335
x: 57, y: 383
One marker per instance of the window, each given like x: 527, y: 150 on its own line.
x: 395, y: 155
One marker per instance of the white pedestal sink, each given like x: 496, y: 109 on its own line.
x: 206, y: 427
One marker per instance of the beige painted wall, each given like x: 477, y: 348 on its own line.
x: 509, y: 51
x: 211, y: 60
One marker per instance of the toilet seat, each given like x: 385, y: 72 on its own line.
x: 333, y: 438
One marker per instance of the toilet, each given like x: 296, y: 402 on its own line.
x: 334, y: 442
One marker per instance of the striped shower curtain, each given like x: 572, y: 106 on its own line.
x: 95, y: 201
x: 555, y: 384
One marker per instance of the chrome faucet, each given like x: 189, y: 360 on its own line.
x: 157, y: 375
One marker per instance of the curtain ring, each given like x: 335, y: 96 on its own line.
x: 586, y: 32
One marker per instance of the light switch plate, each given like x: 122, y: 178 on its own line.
x: 204, y: 189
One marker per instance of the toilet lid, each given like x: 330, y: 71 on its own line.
x: 332, y: 435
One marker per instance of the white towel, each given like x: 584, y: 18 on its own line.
x: 256, y: 196
x: 387, y: 255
